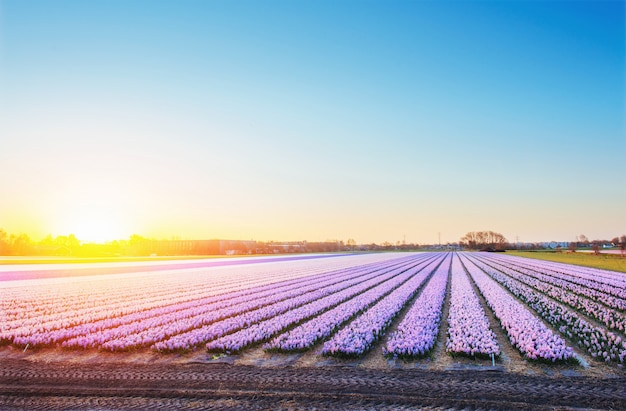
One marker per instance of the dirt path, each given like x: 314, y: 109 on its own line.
x: 128, y: 386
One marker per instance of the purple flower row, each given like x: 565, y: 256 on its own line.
x: 417, y: 333
x: 597, y: 274
x: 64, y: 325
x: 468, y: 331
x: 246, y: 312
x: 156, y: 328
x: 88, y: 295
x: 609, y: 290
x: 591, y: 289
x: 592, y: 278
x: 597, y: 341
x: 110, y: 311
x: 266, y: 329
x: 611, y: 318
x: 526, y: 332
x: 96, y: 333
x: 37, y: 299
x: 323, y: 326
x: 246, y: 318
x: 74, y: 302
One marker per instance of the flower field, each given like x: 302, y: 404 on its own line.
x: 402, y: 305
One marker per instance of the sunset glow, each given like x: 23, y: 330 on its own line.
x: 96, y: 227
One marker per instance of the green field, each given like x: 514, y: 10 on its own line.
x: 604, y: 261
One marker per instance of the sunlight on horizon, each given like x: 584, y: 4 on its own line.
x: 95, y: 225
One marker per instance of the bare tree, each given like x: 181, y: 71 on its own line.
x: 596, y: 247
x: 350, y: 243
x: 483, y: 239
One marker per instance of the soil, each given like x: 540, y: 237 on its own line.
x: 92, y: 380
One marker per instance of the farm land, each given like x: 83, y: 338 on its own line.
x: 351, y: 332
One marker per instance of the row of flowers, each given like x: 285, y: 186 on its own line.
x: 323, y: 326
x: 43, y: 300
x: 525, y: 331
x: 593, y: 278
x: 62, y: 328
x: 610, y: 317
x: 597, y: 341
x: 417, y: 332
x: 595, y: 290
x: 95, y: 333
x: 468, y: 327
x: 266, y: 329
x: 20, y: 300
x: 94, y: 291
x: 116, y: 312
x: 228, y: 319
x: 197, y: 336
x: 50, y: 309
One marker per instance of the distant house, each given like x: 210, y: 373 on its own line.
x: 553, y: 245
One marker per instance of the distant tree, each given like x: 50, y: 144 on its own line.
x: 21, y: 245
x: 47, y: 241
x: 483, y: 239
x: 572, y: 247
x: 583, y: 239
x: 136, y: 238
x: 263, y: 248
x: 351, y: 244
x: 5, y: 245
x: 73, y: 242
x: 596, y: 247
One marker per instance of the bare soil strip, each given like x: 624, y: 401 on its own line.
x: 126, y: 386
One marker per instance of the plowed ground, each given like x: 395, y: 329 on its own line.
x: 90, y: 385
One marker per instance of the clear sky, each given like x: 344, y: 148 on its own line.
x: 291, y: 120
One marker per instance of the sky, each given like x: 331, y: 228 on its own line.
x: 313, y: 120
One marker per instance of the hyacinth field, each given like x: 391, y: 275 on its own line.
x: 400, y: 305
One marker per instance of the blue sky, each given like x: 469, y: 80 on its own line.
x: 313, y: 120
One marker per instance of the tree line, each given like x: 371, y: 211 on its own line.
x: 62, y: 245
x: 136, y: 245
x: 70, y: 245
x: 484, y: 240
x: 490, y: 240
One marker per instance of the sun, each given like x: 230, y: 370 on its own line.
x: 95, y: 231
x: 96, y: 226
